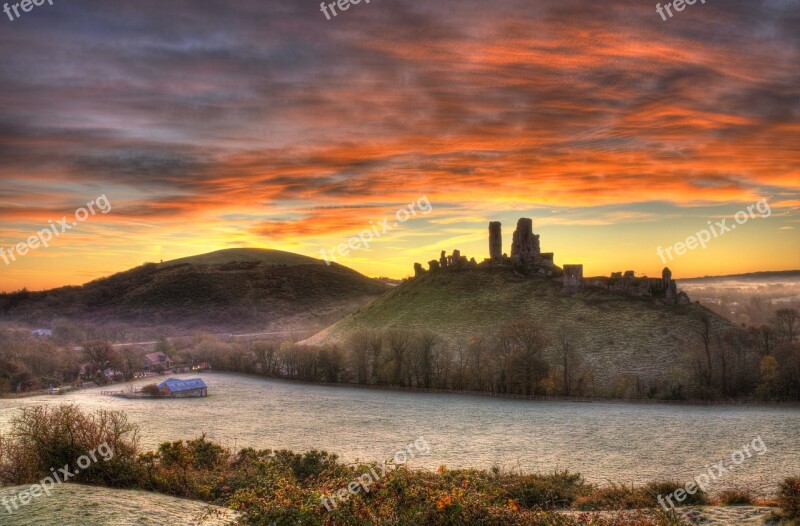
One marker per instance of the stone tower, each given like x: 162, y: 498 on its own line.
x: 666, y: 277
x: 495, y: 241
x: 525, y: 245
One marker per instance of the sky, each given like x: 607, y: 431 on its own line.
x: 221, y: 124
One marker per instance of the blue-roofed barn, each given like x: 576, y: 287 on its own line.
x: 194, y: 387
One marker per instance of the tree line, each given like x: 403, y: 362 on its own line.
x: 522, y: 358
x: 519, y: 358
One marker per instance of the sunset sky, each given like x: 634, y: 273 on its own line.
x: 220, y: 124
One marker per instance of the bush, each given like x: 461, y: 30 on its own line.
x: 789, y: 497
x: 555, y: 491
x: 151, y: 389
x: 735, y: 497
x: 651, y: 491
x: 615, y: 496
x: 45, y: 437
x: 620, y: 496
x: 305, y: 465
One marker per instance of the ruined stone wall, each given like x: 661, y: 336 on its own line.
x: 573, y: 278
x: 495, y: 241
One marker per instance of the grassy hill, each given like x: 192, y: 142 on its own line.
x: 622, y: 336
x: 228, y: 289
x: 242, y: 255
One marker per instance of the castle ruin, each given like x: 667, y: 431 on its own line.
x: 527, y: 258
x: 495, y: 241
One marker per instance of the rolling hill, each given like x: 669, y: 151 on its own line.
x: 236, y: 289
x: 622, y: 336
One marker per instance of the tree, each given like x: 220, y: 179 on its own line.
x: 461, y: 365
x: 787, y: 321
x: 330, y: 364
x: 527, y: 339
x: 360, y: 346
x: 788, y: 357
x: 102, y: 355
x: 398, y: 345
x: 265, y: 354
x: 376, y: 347
x: 770, y: 376
x: 766, y: 338
x: 567, y: 350
x: 129, y: 358
x: 479, y: 376
x: 426, y: 343
x: 737, y: 355
x: 163, y: 345
x: 706, y: 333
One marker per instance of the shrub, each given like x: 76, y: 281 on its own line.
x: 151, y: 389
x: 45, y: 437
x: 735, y: 497
x: 615, y: 496
x: 548, y: 492
x: 651, y: 491
x: 789, y: 497
x: 305, y: 465
x: 619, y: 496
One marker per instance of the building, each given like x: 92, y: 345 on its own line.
x: 192, y: 388
x: 157, y: 361
x: 528, y: 259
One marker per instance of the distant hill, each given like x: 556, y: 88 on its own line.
x: 750, y: 299
x: 623, y: 336
x: 777, y: 275
x: 242, y: 255
x: 227, y: 289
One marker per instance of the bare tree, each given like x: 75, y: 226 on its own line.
x: 398, y: 345
x: 706, y: 332
x: 461, y: 364
x: 360, y: 347
x: 265, y: 353
x: 102, y: 355
x: 426, y: 343
x: 442, y: 362
x: 527, y: 338
x: 479, y: 372
x: 787, y: 321
x: 503, y: 351
x: 567, y: 350
x: 376, y: 347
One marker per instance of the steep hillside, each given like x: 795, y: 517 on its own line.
x: 228, y: 289
x: 622, y: 335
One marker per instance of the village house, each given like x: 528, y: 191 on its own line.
x: 157, y: 361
